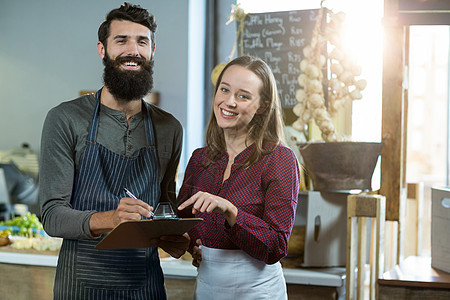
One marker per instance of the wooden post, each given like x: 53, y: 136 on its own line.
x: 413, y: 219
x: 379, y: 246
x: 362, y: 250
x: 352, y: 243
x: 393, y: 126
x: 360, y: 207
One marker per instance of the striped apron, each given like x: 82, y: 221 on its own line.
x: 233, y: 274
x: 86, y: 273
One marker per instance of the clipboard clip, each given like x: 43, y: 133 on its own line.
x: 164, y: 211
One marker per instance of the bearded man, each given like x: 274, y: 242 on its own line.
x: 95, y: 146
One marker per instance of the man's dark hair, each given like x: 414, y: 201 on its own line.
x: 127, y: 12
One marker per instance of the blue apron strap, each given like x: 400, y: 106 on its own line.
x: 92, y: 137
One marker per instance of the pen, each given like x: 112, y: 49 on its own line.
x: 131, y: 195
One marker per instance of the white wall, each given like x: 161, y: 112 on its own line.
x: 48, y: 54
x: 196, y: 70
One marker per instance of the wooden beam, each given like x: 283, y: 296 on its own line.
x: 393, y: 125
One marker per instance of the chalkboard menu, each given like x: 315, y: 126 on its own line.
x: 278, y: 38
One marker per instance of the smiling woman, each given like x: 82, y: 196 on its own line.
x: 244, y: 184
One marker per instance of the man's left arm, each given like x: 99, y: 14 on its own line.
x: 169, y: 171
x: 176, y: 246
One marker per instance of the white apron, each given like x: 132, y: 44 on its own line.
x: 233, y: 274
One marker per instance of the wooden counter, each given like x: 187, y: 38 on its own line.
x: 29, y: 274
x: 414, y: 278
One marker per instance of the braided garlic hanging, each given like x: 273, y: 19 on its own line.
x: 342, y: 85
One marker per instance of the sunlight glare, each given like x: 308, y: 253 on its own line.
x: 362, y: 40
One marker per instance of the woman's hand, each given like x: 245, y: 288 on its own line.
x: 175, y: 245
x: 197, y: 254
x: 207, y: 203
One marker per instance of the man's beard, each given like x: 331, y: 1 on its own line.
x: 128, y: 85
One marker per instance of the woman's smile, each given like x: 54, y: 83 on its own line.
x: 227, y: 113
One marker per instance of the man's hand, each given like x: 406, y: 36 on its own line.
x: 175, y: 245
x: 130, y: 209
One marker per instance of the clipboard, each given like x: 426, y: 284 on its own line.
x: 138, y: 234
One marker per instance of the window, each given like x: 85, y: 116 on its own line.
x: 428, y: 122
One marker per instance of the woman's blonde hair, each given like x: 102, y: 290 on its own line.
x: 265, y: 128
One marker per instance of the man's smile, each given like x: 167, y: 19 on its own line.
x: 130, y: 65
